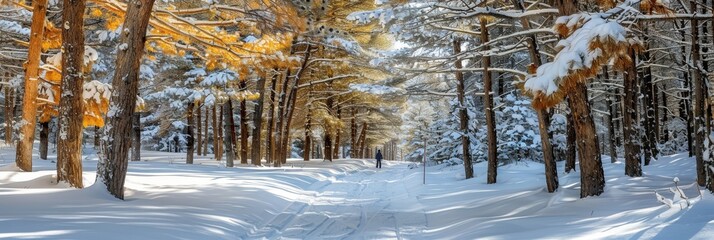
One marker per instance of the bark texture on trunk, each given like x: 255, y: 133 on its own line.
x: 270, y: 152
x: 205, y: 132
x: 256, y: 144
x: 230, y: 133
x: 23, y: 157
x: 112, y: 169
x: 699, y: 95
x: 9, y: 112
x: 490, y: 115
x: 243, y: 127
x: 633, y: 168
x: 44, y: 139
x: 570, y: 143
x: 592, y: 178
x: 608, y: 119
x: 189, y: 132
x: 336, y: 149
x: 136, y: 139
x: 463, y: 115
x: 71, y: 105
x: 199, y: 141
x: 307, y: 148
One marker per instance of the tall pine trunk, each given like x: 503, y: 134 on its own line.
x: 633, y: 167
x: 205, y: 131
x: 490, y: 115
x: 463, y: 115
x: 336, y: 149
x: 699, y: 95
x: 136, y: 139
x: 219, y: 129
x: 9, y: 112
x: 71, y: 109
x: 112, y: 169
x: 189, y: 132
x: 308, y: 134
x: 570, y: 140
x: 611, y: 113
x: 270, y: 152
x: 258, y: 124
x: 243, y: 126
x: 230, y: 133
x: 23, y: 157
x: 199, y: 142
x: 551, y: 171
x: 44, y: 139
x: 353, y: 134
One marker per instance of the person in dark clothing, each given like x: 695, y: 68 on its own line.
x: 379, y: 158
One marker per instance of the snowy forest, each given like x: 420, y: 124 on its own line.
x: 489, y: 116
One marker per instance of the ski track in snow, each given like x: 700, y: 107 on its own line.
x: 346, y: 199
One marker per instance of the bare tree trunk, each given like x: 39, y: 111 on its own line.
x: 230, y: 133
x: 308, y: 134
x: 136, y: 144
x: 288, y: 121
x: 699, y: 95
x: 649, y: 141
x: 216, y: 131
x: 219, y: 128
x: 243, y: 127
x: 205, y: 132
x: 327, y: 154
x: 551, y: 171
x: 353, y: 134
x: 609, y: 117
x: 44, y: 139
x: 570, y: 143
x: 270, y: 152
x: 592, y: 179
x: 258, y: 124
x: 463, y: 115
x: 71, y: 109
x: 125, y: 83
x: 199, y: 143
x: 633, y: 166
x: 23, y: 157
x: 665, y: 118
x: 279, y: 148
x: 189, y: 131
x: 9, y: 112
x: 336, y: 149
x: 490, y: 115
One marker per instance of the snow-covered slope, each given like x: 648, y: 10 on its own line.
x: 167, y: 199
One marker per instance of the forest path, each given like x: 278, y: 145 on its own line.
x: 367, y: 204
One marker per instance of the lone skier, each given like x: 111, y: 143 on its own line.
x: 379, y: 158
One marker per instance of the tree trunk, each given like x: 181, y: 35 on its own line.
x: 490, y: 115
x: 9, y: 112
x: 189, y: 131
x: 216, y: 130
x: 230, y: 133
x: 609, y: 121
x: 288, y: 120
x: 278, y: 151
x: 463, y: 115
x: 570, y: 143
x: 551, y: 171
x: 243, y: 127
x: 136, y: 144
x: 97, y: 137
x: 71, y: 109
x: 308, y: 134
x: 271, y: 120
x: 633, y: 167
x: 219, y: 128
x: 327, y: 154
x: 699, y: 95
x: 125, y: 83
x: 665, y: 118
x: 353, y: 134
x: 336, y: 149
x: 23, y: 157
x: 44, y: 139
x: 199, y: 142
x: 649, y: 141
x: 592, y: 179
x: 258, y: 124
x: 205, y: 132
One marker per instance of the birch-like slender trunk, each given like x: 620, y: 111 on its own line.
x: 490, y: 114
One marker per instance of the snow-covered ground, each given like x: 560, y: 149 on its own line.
x: 167, y: 199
